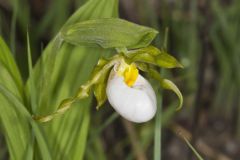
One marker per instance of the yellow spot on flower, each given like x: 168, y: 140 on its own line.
x: 128, y: 72
x: 130, y: 75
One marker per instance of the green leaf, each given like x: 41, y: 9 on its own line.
x: 8, y: 62
x: 16, y: 134
x: 153, y: 55
x: 109, y: 33
x: 167, y: 84
x: 67, y: 134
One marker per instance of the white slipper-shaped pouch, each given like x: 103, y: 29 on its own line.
x: 131, y: 95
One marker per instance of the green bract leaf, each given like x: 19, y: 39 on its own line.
x: 167, y: 84
x: 109, y: 33
x: 153, y: 56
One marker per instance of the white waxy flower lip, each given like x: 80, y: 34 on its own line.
x: 137, y: 103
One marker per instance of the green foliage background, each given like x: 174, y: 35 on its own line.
x: 83, y: 132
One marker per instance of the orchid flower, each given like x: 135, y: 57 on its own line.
x: 117, y: 79
x: 130, y: 94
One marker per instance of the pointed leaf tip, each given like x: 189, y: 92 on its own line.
x: 167, y: 84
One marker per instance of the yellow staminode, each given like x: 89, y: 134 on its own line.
x: 130, y: 74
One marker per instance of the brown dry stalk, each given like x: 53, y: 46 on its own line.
x: 201, y: 146
x: 137, y: 149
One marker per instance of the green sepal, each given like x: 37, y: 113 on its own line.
x: 101, y: 63
x: 167, y: 84
x: 109, y: 33
x: 99, y: 89
x: 98, y: 80
x: 153, y: 55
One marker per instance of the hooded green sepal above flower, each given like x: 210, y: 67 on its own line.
x: 109, y: 33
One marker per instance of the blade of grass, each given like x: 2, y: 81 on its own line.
x: 30, y: 150
x: 157, y: 131
x: 32, y: 89
x: 81, y: 141
x: 193, y: 149
x: 15, y: 134
x: 7, y: 60
x: 13, y: 26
